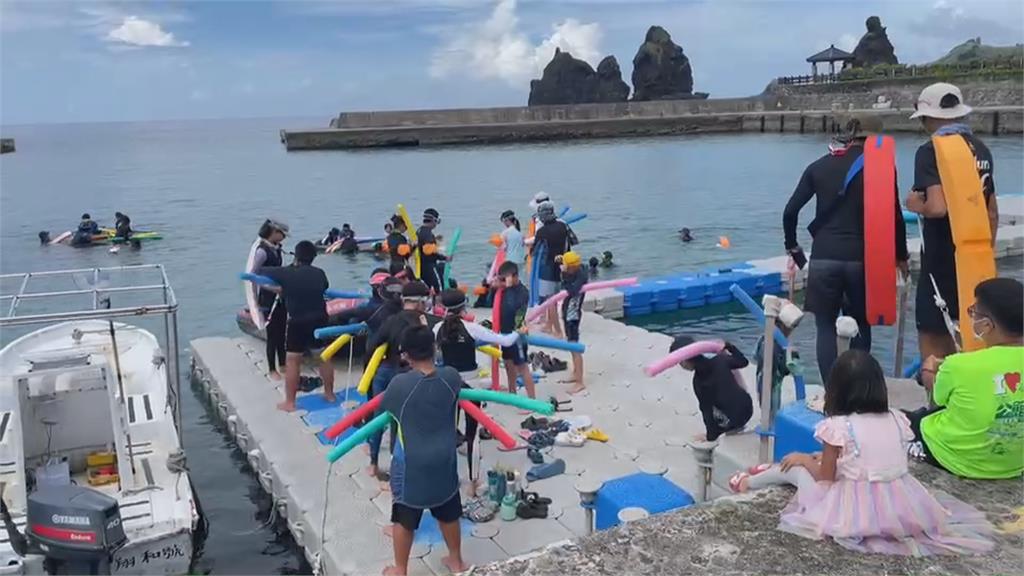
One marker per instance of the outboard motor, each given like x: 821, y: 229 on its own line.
x: 76, y: 529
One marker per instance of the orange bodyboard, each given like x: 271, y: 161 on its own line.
x: 968, y: 221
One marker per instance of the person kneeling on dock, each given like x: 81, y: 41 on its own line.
x: 724, y: 405
x: 424, y: 470
x: 302, y: 286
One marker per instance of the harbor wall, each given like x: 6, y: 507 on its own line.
x: 998, y: 102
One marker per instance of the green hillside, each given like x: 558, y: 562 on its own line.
x: 973, y: 52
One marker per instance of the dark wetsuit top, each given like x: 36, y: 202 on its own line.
x: 724, y: 404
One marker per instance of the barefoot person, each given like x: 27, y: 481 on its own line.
x: 573, y: 280
x: 302, y: 286
x: 424, y: 470
x: 414, y: 304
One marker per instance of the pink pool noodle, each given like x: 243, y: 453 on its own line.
x: 684, y: 353
x: 542, y: 307
x: 352, y: 417
x: 487, y: 422
x: 440, y: 311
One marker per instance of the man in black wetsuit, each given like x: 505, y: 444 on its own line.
x: 942, y: 112
x: 398, y: 245
x: 554, y: 237
x: 835, y: 280
x: 302, y: 286
x: 430, y: 252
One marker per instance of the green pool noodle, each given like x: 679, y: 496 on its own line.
x: 476, y: 395
x: 361, y: 435
x: 453, y: 245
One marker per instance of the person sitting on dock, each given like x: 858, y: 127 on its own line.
x: 942, y: 111
x: 836, y: 273
x: 858, y: 489
x: 414, y: 305
x: 302, y: 286
x: 975, y: 425
x: 424, y: 470
x: 724, y: 405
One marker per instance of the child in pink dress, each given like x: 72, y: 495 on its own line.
x: 858, y: 490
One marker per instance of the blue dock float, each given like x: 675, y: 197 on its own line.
x: 690, y: 290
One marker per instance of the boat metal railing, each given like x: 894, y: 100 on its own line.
x: 163, y: 303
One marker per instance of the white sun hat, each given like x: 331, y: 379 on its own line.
x: 941, y: 100
x: 538, y: 199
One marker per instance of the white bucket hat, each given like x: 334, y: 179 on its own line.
x: 538, y: 199
x: 941, y: 100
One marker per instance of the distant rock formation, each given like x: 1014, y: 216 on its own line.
x: 874, y: 47
x: 568, y: 80
x: 660, y: 69
x: 610, y: 86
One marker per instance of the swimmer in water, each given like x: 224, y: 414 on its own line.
x: 684, y: 235
x: 606, y: 259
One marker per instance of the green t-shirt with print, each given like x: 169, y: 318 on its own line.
x: 980, y: 434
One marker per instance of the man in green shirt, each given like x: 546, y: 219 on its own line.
x: 976, y: 427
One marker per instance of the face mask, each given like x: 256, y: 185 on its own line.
x: 974, y: 329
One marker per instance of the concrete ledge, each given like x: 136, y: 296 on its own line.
x: 738, y: 535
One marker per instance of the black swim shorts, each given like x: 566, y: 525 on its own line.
x: 409, y: 518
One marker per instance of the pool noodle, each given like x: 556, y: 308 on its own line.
x: 332, y: 331
x: 499, y: 433
x: 358, y: 414
x: 575, y: 218
x: 754, y: 309
x: 535, y: 313
x: 554, y: 343
x: 499, y: 259
x: 453, y: 246
x: 477, y: 395
x: 362, y: 435
x: 564, y: 211
x: 371, y: 369
x: 496, y: 326
x: 684, y: 353
x: 535, y: 274
x: 330, y: 293
x: 913, y: 369
x: 491, y: 351
x: 338, y: 344
x: 412, y: 238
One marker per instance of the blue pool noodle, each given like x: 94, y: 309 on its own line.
x: 264, y: 281
x: 548, y: 342
x: 575, y: 218
x: 758, y: 313
x: 335, y: 331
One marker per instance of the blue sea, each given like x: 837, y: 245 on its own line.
x: 207, y: 186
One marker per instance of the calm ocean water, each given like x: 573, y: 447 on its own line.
x: 208, y: 185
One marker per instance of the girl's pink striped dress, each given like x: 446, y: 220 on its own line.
x: 875, y: 505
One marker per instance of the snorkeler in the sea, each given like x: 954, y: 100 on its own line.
x: 685, y: 236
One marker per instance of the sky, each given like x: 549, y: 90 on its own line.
x: 88, y: 61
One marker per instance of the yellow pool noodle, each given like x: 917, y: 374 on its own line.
x: 490, y: 351
x: 338, y: 344
x: 371, y: 368
x: 411, y: 230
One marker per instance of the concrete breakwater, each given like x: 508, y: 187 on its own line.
x: 632, y: 119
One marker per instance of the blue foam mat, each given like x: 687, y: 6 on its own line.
x: 429, y: 531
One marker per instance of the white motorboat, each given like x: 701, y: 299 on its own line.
x: 89, y: 426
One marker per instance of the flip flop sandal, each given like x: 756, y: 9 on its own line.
x: 533, y: 423
x: 596, y: 434
x: 529, y: 510
x: 485, y: 434
x: 570, y: 439
x: 758, y: 468
x: 501, y: 448
x: 735, y: 479
x: 534, y: 455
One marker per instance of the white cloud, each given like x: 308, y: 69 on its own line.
x: 498, y: 49
x: 135, y: 31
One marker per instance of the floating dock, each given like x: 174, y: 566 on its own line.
x: 650, y: 422
x: 699, y: 288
